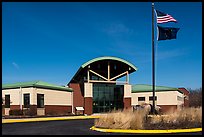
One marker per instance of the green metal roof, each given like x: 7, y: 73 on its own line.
x: 109, y: 58
x: 83, y: 67
x: 39, y: 84
x: 148, y: 88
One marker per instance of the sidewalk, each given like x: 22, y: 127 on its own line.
x: 16, y: 120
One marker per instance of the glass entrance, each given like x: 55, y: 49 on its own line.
x: 107, y: 97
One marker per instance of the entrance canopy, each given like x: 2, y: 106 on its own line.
x: 103, y: 69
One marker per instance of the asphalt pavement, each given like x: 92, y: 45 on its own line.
x: 70, y: 127
x: 62, y: 127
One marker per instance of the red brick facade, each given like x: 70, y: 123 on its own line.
x: 88, y: 105
x: 49, y: 109
x: 78, y: 99
x: 127, y: 102
x: 186, y: 98
x: 57, y: 110
x: 87, y: 102
x: 12, y: 107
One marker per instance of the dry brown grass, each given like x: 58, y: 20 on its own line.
x: 127, y: 119
x: 184, y: 118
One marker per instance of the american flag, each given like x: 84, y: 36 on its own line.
x: 163, y: 17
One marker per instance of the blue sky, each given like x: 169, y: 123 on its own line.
x: 49, y: 41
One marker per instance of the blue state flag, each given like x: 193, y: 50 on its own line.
x: 167, y: 33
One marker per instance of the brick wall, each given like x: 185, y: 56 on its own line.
x: 57, y: 110
x: 127, y: 102
x: 12, y: 107
x: 88, y: 105
x: 186, y: 99
x: 78, y: 98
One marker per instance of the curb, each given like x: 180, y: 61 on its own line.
x: 147, y: 131
x: 4, y: 121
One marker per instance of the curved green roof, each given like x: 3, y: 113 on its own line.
x: 39, y: 84
x: 148, y: 88
x: 109, y: 58
x: 83, y: 67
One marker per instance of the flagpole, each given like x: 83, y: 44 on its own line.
x: 153, y: 61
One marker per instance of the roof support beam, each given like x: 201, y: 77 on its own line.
x: 98, y: 75
x: 108, y: 70
x: 127, y: 77
x: 126, y: 72
x: 100, y: 81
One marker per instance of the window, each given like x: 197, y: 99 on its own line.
x: 26, y: 99
x: 179, y: 98
x: 151, y: 98
x: 107, y: 97
x: 115, y: 67
x: 40, y: 100
x: 7, y: 101
x: 186, y: 97
x: 99, y: 66
x: 141, y: 98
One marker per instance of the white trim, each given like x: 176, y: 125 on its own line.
x: 119, y: 75
x: 98, y: 75
x: 79, y: 108
x: 20, y: 96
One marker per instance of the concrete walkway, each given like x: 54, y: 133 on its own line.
x: 16, y: 120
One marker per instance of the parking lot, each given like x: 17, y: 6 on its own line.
x: 65, y: 127
x: 70, y: 127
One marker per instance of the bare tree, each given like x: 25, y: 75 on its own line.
x: 195, y: 97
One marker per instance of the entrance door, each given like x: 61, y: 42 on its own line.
x: 107, y: 97
x: 118, y: 97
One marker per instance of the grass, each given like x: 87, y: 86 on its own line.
x: 127, y: 119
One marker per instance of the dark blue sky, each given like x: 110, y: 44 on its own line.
x: 49, y: 41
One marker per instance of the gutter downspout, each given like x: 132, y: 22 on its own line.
x: 20, y: 94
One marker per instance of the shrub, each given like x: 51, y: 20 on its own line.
x: 16, y: 112
x: 128, y: 119
x: 185, y: 118
x: 29, y: 112
x: 51, y: 113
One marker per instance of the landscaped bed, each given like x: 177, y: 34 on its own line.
x: 128, y: 119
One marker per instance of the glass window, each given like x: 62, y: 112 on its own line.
x: 179, y: 98
x: 7, y: 101
x: 26, y: 98
x: 93, y: 77
x: 151, y: 98
x: 85, y: 78
x: 111, y: 91
x: 100, y: 93
x: 141, y: 98
x: 95, y: 94
x: 40, y: 100
x: 115, y: 67
x: 108, y: 97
